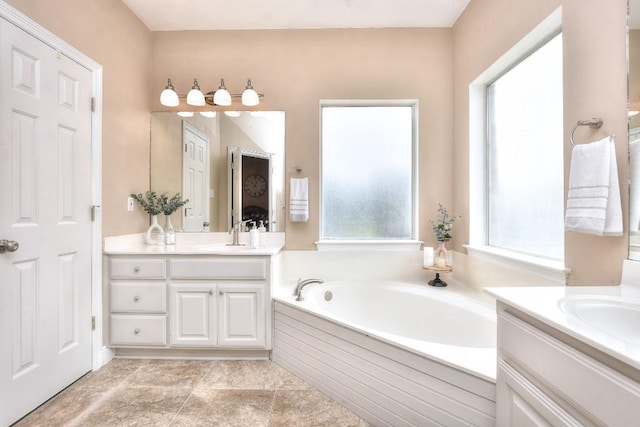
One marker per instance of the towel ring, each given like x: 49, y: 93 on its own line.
x: 594, y: 123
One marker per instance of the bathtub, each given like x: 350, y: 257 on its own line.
x: 395, y: 353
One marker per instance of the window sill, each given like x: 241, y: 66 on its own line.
x: 548, y: 269
x: 368, y: 245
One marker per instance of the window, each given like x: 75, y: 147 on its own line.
x: 524, y: 155
x: 367, y: 178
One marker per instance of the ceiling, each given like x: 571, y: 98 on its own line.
x: 176, y: 15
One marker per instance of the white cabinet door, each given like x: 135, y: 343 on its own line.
x: 193, y: 315
x: 242, y: 315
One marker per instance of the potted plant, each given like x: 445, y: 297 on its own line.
x: 152, y: 205
x: 442, y: 227
x: 169, y: 206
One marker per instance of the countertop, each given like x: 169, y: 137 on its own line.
x: 194, y: 244
x: 546, y: 305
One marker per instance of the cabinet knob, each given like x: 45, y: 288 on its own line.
x: 220, y: 292
x: 136, y: 298
x: 136, y: 331
x: 210, y: 291
x: 136, y: 269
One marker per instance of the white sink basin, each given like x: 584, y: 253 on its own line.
x: 615, y: 316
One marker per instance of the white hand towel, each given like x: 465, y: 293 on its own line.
x: 593, y: 202
x: 299, y: 200
x: 634, y: 188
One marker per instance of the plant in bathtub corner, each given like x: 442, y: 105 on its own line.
x: 443, y: 225
x: 442, y: 231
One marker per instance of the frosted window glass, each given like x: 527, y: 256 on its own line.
x: 525, y: 155
x: 367, y: 169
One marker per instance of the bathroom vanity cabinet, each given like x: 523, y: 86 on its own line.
x: 189, y: 304
x: 546, y: 377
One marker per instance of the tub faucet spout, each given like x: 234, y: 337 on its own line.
x: 301, y: 284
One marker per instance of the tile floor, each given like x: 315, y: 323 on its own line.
x: 128, y: 392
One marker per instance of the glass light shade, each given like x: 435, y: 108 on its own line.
x: 169, y: 97
x: 232, y: 113
x: 250, y: 98
x: 222, y: 95
x: 209, y: 114
x: 185, y: 113
x: 195, y: 97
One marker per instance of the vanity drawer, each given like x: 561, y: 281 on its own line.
x: 219, y: 268
x: 138, y: 329
x: 137, y: 297
x: 591, y: 386
x: 132, y: 268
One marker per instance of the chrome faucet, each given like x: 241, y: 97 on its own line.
x: 235, y: 233
x: 301, y: 284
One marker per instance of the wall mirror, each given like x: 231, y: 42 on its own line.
x: 633, y: 52
x: 230, y: 165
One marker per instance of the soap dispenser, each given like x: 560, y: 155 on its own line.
x: 254, y: 237
x: 261, y: 230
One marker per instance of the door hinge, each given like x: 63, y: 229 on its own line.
x: 93, y: 323
x: 93, y: 104
x: 94, y: 209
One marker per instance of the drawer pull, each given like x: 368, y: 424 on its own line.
x: 136, y: 269
x: 136, y: 331
x: 136, y: 298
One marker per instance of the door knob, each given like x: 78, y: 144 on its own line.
x: 8, y: 246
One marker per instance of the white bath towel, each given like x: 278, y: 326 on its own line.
x: 299, y: 200
x: 593, y: 202
x: 634, y: 187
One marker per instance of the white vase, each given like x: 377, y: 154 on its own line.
x: 154, y: 228
x: 169, y: 232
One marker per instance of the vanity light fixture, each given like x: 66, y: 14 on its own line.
x: 208, y: 114
x: 221, y: 96
x: 185, y: 113
x: 232, y: 113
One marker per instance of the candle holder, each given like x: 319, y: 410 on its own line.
x: 437, y: 281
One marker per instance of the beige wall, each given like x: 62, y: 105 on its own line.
x: 594, y: 86
x: 295, y: 69
x: 109, y: 33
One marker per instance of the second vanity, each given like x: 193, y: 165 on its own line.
x: 198, y: 298
x: 569, y: 356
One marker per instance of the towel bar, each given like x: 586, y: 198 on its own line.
x: 593, y: 123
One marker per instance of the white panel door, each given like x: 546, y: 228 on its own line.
x: 195, y: 177
x: 242, y: 315
x: 45, y: 185
x: 193, y: 315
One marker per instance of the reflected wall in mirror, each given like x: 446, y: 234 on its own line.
x: 230, y: 167
x: 634, y: 128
